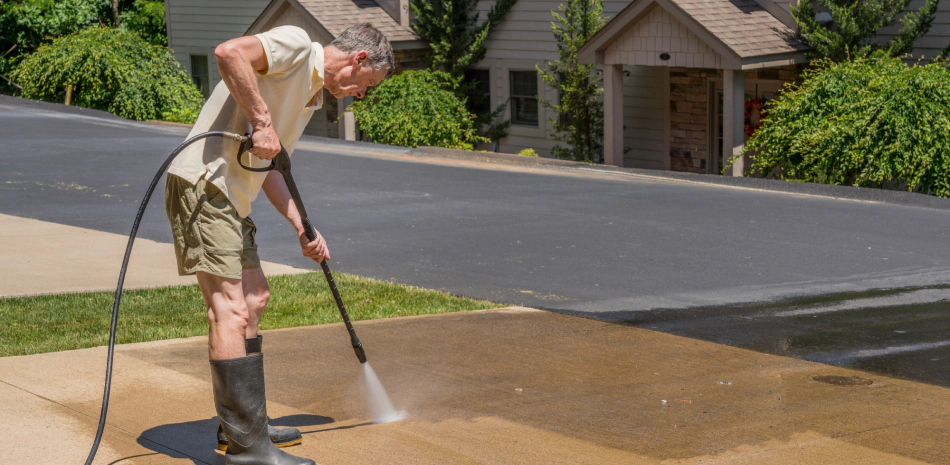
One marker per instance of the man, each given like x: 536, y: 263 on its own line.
x: 271, y: 85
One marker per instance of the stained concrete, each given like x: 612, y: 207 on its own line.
x: 40, y: 257
x: 504, y: 386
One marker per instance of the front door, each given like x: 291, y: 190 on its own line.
x: 757, y: 93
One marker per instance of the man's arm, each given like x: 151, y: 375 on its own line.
x: 238, y: 60
x: 276, y: 190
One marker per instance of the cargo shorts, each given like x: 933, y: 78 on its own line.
x: 209, y: 236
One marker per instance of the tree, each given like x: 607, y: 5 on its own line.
x: 580, y: 115
x: 869, y: 122
x: 856, y: 23
x: 417, y: 108
x: 114, y: 70
x: 458, y: 43
x: 25, y: 25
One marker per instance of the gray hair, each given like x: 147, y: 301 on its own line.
x: 366, y: 37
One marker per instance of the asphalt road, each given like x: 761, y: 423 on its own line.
x: 687, y: 258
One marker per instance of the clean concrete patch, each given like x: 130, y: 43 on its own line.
x: 44, y: 258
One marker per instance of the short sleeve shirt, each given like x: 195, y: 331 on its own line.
x: 292, y: 91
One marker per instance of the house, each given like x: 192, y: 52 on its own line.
x: 679, y: 75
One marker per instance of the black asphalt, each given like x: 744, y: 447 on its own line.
x: 665, y: 252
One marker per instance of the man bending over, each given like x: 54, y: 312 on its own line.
x: 271, y: 85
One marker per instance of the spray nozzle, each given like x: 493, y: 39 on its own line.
x: 358, y: 348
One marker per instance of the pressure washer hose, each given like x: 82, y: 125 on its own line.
x: 125, y: 264
x: 281, y: 163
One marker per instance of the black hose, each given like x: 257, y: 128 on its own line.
x: 125, y: 264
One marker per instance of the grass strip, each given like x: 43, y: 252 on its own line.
x: 49, y: 323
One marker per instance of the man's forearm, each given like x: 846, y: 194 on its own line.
x: 276, y: 191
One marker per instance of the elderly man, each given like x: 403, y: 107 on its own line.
x: 271, y: 85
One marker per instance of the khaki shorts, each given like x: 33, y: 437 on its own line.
x: 209, y: 236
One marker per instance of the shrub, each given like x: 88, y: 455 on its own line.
x: 114, y: 70
x: 868, y: 122
x: 417, y: 108
x: 528, y: 152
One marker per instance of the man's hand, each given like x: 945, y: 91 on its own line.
x: 266, y: 144
x: 316, y: 249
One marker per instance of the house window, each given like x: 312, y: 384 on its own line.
x: 480, y: 102
x: 199, y: 73
x: 524, y: 98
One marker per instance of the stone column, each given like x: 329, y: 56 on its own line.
x: 613, y: 115
x: 733, y: 118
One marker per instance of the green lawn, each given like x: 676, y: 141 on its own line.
x: 31, y: 325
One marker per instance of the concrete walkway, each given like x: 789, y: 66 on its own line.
x: 40, y: 257
x: 506, y: 386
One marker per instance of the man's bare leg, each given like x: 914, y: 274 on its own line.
x: 227, y: 315
x: 256, y: 296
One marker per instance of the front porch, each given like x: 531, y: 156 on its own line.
x: 707, y: 58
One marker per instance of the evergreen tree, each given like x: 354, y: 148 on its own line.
x: 580, y: 115
x: 856, y: 24
x: 458, y: 43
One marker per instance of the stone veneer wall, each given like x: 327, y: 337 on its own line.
x: 689, y: 120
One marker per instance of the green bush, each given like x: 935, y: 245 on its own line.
x: 417, y: 108
x: 528, y: 152
x: 871, y: 122
x: 114, y: 70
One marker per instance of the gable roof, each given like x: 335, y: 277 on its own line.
x: 338, y: 15
x: 335, y: 16
x: 745, y: 32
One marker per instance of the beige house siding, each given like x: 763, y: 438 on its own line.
x: 646, y: 104
x: 196, y: 27
x: 936, y: 39
x: 659, y: 32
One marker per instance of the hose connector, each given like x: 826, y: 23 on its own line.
x: 234, y: 136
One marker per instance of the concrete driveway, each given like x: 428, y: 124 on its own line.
x: 505, y: 386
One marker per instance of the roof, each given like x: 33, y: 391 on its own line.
x: 747, y: 33
x: 338, y: 15
x: 744, y: 26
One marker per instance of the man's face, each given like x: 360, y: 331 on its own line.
x: 356, y: 78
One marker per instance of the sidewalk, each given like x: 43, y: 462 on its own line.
x: 42, y: 258
x: 512, y: 386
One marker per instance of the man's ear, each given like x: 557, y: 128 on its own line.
x: 361, y: 56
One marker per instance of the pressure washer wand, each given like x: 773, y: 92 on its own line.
x: 281, y: 164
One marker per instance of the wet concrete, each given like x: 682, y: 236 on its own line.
x: 896, y: 332
x: 513, y: 386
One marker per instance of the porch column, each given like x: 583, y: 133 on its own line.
x: 347, y: 121
x: 613, y: 115
x: 733, y: 118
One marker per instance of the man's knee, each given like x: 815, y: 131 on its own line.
x: 258, y: 299
x: 234, y: 313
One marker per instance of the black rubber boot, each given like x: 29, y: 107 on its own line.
x: 281, y: 437
x: 240, y: 402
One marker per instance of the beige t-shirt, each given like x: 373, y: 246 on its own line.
x: 291, y: 89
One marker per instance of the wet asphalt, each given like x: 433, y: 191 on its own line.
x: 849, y: 283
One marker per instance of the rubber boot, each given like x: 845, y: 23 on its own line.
x: 281, y: 437
x: 240, y: 402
